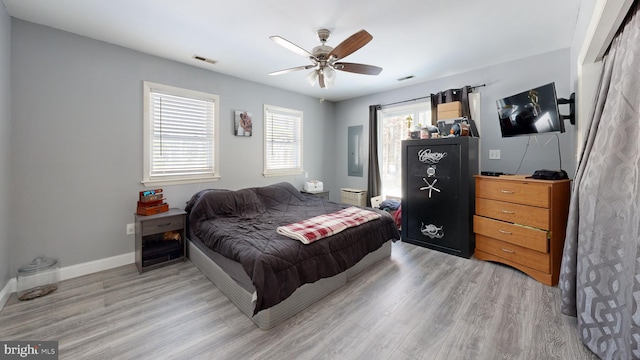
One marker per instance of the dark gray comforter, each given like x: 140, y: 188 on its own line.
x: 241, y: 225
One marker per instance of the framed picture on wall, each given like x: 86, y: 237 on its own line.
x: 243, y: 125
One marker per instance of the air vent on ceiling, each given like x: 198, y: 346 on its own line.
x: 406, y: 78
x: 201, y: 58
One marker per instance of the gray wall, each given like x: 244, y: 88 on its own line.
x: 501, y: 80
x: 5, y: 124
x: 76, y: 162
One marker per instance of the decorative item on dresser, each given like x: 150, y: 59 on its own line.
x: 438, y: 193
x: 521, y: 222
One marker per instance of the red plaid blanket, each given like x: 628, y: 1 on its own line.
x: 323, y: 226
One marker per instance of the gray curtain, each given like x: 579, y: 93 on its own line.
x: 600, y: 273
x: 373, y: 175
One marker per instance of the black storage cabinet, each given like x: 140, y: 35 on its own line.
x: 438, y: 193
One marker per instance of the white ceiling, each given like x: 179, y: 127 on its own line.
x: 428, y: 39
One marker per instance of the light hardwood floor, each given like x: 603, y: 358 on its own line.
x: 419, y: 304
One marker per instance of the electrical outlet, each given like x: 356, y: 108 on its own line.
x: 306, y: 175
x: 131, y: 229
x: 494, y: 154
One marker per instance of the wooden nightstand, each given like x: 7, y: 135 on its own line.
x: 152, y: 250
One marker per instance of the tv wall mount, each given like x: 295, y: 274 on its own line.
x: 572, y: 108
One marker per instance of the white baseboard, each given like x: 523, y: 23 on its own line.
x: 70, y: 272
x: 9, y: 288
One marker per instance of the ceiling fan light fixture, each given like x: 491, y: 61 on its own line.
x: 312, y: 77
x: 329, y: 83
x: 329, y: 74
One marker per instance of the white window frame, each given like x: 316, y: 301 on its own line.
x: 212, y: 173
x: 298, y: 116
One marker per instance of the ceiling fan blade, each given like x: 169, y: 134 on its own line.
x: 357, y: 68
x: 351, y: 44
x: 285, y: 71
x: 321, y: 80
x: 290, y: 46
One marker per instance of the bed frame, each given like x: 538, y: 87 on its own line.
x: 302, y: 298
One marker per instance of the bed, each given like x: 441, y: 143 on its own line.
x: 268, y: 276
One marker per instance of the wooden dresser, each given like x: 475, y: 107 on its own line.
x: 521, y: 222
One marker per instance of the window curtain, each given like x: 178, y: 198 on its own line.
x: 600, y: 273
x: 373, y: 175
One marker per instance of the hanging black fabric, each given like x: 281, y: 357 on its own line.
x: 451, y: 95
x: 448, y: 96
x: 374, y: 181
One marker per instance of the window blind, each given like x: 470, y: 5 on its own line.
x: 283, y: 142
x: 182, y: 134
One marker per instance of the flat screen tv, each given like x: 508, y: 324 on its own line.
x: 534, y: 111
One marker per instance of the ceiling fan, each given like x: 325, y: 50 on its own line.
x: 325, y: 58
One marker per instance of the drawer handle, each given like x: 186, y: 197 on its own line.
x: 505, y: 231
x: 507, y: 212
x: 508, y: 251
x: 506, y: 191
x: 165, y: 224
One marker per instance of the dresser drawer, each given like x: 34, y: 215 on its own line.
x: 521, y: 192
x: 515, y: 234
x: 156, y: 226
x: 520, y: 214
x: 520, y: 255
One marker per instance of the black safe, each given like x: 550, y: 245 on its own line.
x: 438, y: 193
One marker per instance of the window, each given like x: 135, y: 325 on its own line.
x: 282, y: 141
x: 392, y: 129
x: 180, y: 135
